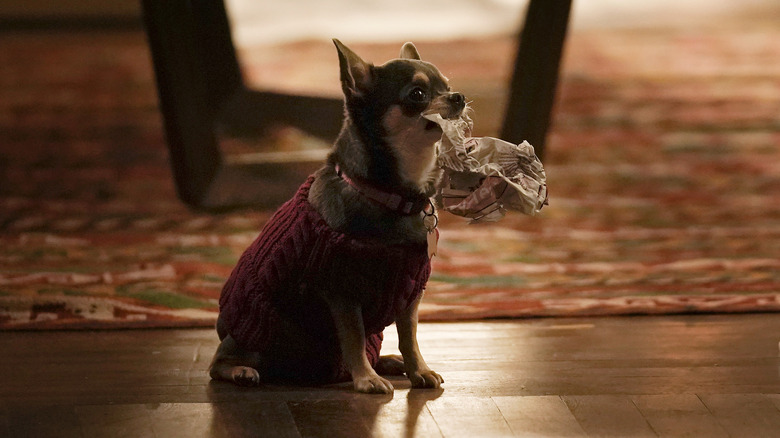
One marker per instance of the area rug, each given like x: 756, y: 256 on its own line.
x: 663, y: 166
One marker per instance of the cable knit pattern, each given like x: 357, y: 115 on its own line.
x: 272, y: 301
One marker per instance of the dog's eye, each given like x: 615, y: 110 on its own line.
x: 417, y: 94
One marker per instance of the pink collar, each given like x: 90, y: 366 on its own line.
x: 391, y: 201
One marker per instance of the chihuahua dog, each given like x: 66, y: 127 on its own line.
x: 349, y: 254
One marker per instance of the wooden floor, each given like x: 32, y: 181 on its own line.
x: 697, y: 376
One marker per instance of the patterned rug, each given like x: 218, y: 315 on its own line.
x: 663, y: 168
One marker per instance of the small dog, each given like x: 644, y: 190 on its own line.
x: 348, y: 254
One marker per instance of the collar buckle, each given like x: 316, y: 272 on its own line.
x: 394, y: 201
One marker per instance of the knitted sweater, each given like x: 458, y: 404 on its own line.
x: 272, y: 302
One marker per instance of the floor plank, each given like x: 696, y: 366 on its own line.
x: 753, y: 415
x: 226, y: 420
x: 119, y: 421
x: 608, y: 416
x: 539, y: 416
x: 44, y: 421
x: 406, y: 415
x: 329, y: 418
x: 254, y: 419
x: 4, y: 428
x: 184, y: 420
x: 678, y: 415
x: 775, y: 398
x: 469, y: 417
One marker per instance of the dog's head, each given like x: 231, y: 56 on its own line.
x: 385, y: 104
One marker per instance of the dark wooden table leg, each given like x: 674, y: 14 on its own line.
x: 203, y: 98
x: 536, y: 73
x: 196, y: 71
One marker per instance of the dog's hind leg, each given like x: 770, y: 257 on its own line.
x: 233, y: 364
x: 222, y: 330
x: 390, y: 365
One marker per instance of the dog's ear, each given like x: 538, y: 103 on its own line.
x: 356, y: 74
x: 408, y: 51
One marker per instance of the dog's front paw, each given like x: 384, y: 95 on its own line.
x: 425, y: 379
x: 245, y: 376
x: 373, y: 384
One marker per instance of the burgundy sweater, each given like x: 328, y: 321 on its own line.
x: 272, y: 302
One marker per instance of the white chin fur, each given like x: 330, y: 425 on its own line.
x: 413, y: 144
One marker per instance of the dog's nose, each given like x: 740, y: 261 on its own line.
x: 457, y: 99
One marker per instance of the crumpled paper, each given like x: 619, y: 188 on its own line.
x: 485, y: 176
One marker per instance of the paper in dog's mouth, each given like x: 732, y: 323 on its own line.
x: 431, y: 125
x: 437, y: 121
x: 484, y: 176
